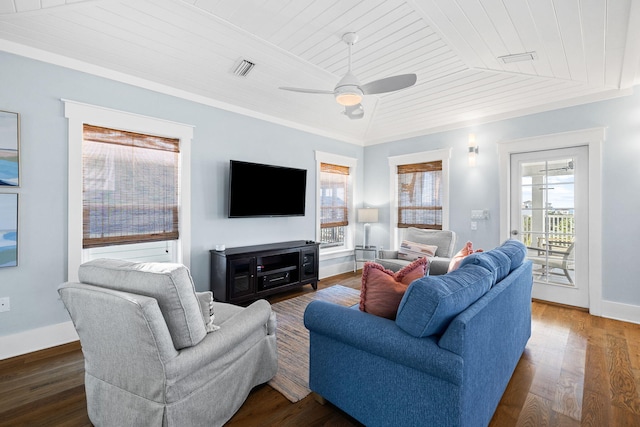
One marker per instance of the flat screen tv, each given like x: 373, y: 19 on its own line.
x: 257, y: 190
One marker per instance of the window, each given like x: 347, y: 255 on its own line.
x: 334, y: 211
x: 419, y: 188
x: 130, y: 191
x: 420, y: 195
x: 335, y: 202
x: 159, y: 229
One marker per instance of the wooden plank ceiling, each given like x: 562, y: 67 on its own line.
x: 584, y: 50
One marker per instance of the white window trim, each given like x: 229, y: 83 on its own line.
x: 352, y: 163
x: 78, y: 114
x: 426, y: 156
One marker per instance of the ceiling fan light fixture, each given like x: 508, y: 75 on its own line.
x: 348, y: 98
x: 348, y: 95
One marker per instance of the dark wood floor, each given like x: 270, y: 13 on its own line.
x: 577, y: 370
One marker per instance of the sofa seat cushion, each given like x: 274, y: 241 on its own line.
x: 170, y: 284
x: 382, y: 289
x: 430, y: 303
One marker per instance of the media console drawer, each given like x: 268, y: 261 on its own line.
x: 247, y: 273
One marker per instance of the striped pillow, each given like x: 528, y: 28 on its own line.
x: 411, y: 251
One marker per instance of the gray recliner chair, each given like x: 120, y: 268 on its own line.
x: 152, y: 355
x: 445, y: 240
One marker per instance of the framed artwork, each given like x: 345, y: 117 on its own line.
x: 8, y: 230
x: 9, y: 149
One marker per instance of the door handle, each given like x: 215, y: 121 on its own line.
x: 514, y: 232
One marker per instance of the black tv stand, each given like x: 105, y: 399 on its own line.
x: 247, y: 273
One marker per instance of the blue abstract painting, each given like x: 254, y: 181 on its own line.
x: 9, y: 149
x: 8, y: 230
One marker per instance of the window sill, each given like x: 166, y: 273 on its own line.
x: 335, y: 253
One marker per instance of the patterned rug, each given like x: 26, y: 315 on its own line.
x: 292, y: 379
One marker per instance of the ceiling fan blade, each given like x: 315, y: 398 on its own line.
x: 389, y: 84
x: 296, y: 89
x: 354, y: 112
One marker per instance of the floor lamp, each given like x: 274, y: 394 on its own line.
x: 367, y: 215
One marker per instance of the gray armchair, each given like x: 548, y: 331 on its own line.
x: 151, y: 356
x: 445, y: 240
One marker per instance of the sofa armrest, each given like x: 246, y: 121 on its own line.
x: 383, y: 338
x: 387, y: 254
x: 238, y: 333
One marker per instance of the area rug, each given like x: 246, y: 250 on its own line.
x: 292, y: 379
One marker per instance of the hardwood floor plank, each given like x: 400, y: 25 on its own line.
x: 595, y: 411
x: 624, y: 393
x: 536, y: 412
x: 577, y: 369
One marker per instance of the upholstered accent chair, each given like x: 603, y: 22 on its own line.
x: 445, y: 241
x: 153, y: 354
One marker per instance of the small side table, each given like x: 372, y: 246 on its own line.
x: 364, y: 254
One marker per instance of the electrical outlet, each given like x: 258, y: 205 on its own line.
x: 5, y: 304
x: 474, y: 225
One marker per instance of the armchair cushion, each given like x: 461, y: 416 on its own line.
x: 443, y: 239
x: 170, y: 284
x: 429, y: 304
x: 382, y: 289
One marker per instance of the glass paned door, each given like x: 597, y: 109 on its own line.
x: 549, y: 192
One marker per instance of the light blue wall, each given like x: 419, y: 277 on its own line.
x: 34, y: 89
x: 477, y: 188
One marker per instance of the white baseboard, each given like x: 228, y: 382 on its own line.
x: 37, y: 339
x: 619, y: 311
x: 335, y: 269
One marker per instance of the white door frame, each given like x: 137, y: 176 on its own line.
x: 593, y: 139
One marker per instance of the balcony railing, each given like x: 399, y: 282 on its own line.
x: 558, y: 229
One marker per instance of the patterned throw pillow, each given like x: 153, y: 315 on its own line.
x: 206, y: 307
x: 382, y: 289
x: 411, y: 251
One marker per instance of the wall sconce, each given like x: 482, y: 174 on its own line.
x: 367, y: 215
x: 473, y: 149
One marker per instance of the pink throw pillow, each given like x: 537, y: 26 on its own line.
x: 462, y: 253
x: 382, y: 289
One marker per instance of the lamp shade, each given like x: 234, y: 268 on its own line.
x: 368, y: 215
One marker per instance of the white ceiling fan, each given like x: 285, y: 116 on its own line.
x: 349, y: 91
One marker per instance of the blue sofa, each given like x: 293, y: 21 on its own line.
x: 445, y: 360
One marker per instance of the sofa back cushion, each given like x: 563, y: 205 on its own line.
x: 445, y: 240
x: 170, y: 284
x: 493, y: 260
x: 515, y: 250
x: 430, y: 303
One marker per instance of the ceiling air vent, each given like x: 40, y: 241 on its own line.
x: 519, y: 57
x: 243, y: 68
